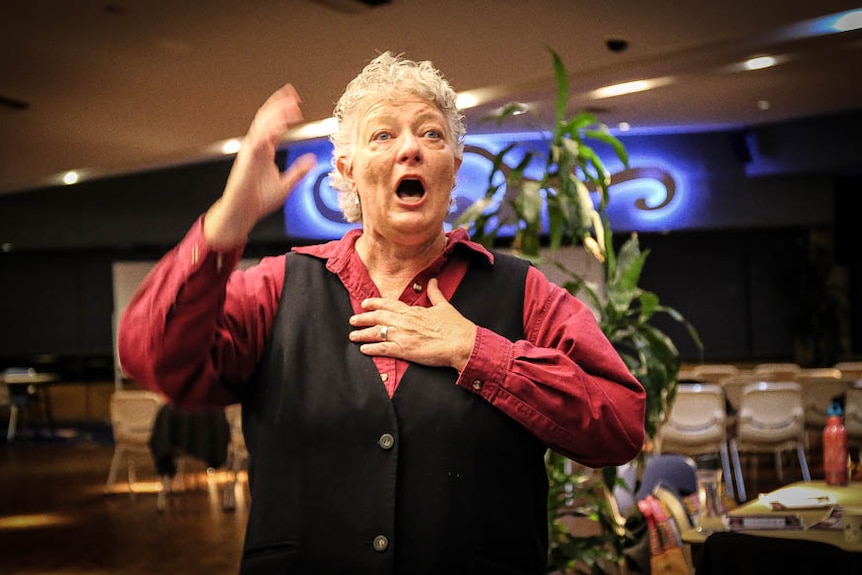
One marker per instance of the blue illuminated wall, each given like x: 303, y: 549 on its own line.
x: 672, y: 183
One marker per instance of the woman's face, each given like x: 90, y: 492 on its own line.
x: 403, y: 169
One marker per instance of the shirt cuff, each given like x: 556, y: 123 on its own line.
x: 199, y: 254
x: 486, y: 369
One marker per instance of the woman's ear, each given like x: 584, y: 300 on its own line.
x: 345, y: 169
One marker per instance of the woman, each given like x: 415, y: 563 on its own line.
x: 401, y: 385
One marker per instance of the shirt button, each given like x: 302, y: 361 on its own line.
x: 386, y: 441
x: 477, y: 385
x: 381, y: 543
x: 384, y: 376
x: 417, y: 287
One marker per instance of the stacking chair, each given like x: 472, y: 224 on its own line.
x: 818, y: 394
x: 20, y: 399
x: 771, y: 419
x: 777, y: 371
x: 685, y: 375
x: 697, y: 425
x: 853, y: 417
x: 132, y: 414
x: 713, y: 372
x: 674, y: 470
x: 732, y: 387
x: 818, y: 373
x: 850, y: 370
x: 16, y: 402
x: 237, y: 453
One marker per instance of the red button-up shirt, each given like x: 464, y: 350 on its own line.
x: 197, y: 328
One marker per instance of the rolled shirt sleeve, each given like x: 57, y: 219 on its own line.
x: 565, y: 382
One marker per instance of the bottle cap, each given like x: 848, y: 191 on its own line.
x: 834, y: 410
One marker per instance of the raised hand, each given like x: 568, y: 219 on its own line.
x: 255, y: 187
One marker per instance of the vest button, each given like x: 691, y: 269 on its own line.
x: 417, y: 287
x: 381, y: 543
x: 386, y: 441
x: 477, y: 385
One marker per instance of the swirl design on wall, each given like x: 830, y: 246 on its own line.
x: 321, y: 188
x: 629, y: 174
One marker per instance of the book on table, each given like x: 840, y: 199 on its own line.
x: 793, y: 508
x: 773, y: 522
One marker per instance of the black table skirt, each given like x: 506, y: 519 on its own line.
x: 732, y: 553
x: 203, y: 435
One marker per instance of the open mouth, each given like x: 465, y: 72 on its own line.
x: 410, y: 190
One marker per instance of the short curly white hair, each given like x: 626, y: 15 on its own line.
x: 387, y: 77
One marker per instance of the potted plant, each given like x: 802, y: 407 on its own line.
x: 571, y: 174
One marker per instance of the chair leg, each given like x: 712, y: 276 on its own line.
x: 725, y: 464
x: 13, y: 423
x: 133, y: 479
x: 112, y: 473
x: 229, y: 502
x: 740, y: 483
x: 232, y: 464
x: 164, y: 490
x: 779, y: 466
x: 803, y: 463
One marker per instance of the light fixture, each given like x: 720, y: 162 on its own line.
x: 70, y: 177
x: 466, y: 100
x: 629, y: 88
x: 760, y: 62
x: 847, y: 21
x: 311, y: 130
x: 231, y: 146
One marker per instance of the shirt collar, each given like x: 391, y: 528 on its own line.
x: 337, y: 253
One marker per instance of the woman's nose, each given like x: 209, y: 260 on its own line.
x: 411, y: 150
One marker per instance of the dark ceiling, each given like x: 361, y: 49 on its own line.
x: 117, y: 87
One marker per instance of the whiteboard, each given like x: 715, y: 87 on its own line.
x: 127, y: 277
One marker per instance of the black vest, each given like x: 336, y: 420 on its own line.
x: 345, y: 480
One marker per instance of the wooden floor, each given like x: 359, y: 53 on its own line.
x: 56, y: 518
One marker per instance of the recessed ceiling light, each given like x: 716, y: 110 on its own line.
x: 70, y: 177
x: 629, y: 88
x: 466, y: 100
x: 760, y: 62
x: 231, y: 146
x: 849, y: 21
x: 312, y: 130
x: 763, y: 104
x: 624, y: 126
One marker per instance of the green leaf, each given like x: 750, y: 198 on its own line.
x: 529, y: 203
x: 473, y: 212
x: 506, y: 112
x: 562, y: 90
x: 573, y: 172
x: 630, y: 262
x: 575, y: 127
x: 603, y: 135
x: 585, y: 204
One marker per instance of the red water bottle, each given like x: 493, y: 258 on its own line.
x: 835, y: 447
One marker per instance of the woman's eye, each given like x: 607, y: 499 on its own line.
x: 381, y: 136
x: 434, y: 134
